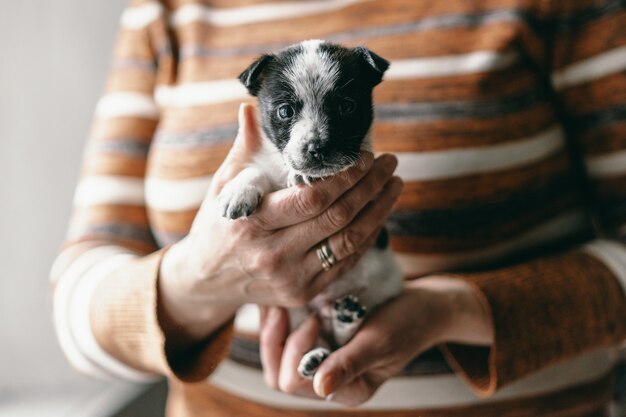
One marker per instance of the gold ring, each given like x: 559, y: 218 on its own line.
x: 326, y: 256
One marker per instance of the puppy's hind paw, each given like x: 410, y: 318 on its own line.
x: 348, y: 310
x: 311, y: 361
x: 234, y: 203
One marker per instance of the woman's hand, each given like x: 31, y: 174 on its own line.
x: 430, y: 311
x: 270, y: 258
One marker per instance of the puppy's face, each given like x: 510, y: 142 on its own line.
x: 315, y: 100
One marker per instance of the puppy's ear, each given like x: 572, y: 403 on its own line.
x: 374, y: 65
x: 252, y: 77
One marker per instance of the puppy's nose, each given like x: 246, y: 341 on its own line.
x: 315, y: 151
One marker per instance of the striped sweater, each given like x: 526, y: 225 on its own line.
x: 508, y: 118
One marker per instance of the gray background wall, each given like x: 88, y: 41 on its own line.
x: 54, y: 55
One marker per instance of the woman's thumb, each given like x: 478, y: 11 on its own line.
x: 246, y: 144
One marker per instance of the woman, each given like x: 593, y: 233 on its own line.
x: 507, y: 122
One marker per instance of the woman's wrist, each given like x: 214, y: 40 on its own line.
x: 464, y: 315
x: 184, y: 315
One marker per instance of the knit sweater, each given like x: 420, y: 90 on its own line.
x: 508, y: 118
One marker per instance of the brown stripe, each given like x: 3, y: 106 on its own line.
x: 442, y: 42
x: 137, y: 246
x: 176, y: 222
x: 490, y: 235
x: 200, y: 117
x: 122, y: 127
x: 199, y: 69
x: 130, y: 79
x: 174, y: 165
x: 608, y: 139
x: 480, y: 86
x: 223, y: 4
x: 109, y: 164
x: 591, y: 39
x: 133, y: 44
x: 447, y: 134
x: 365, y: 14
x: 128, y: 214
x: 612, y: 188
x: 475, y: 189
x: 585, y: 400
x: 597, y: 95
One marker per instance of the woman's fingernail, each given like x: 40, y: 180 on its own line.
x: 324, y: 386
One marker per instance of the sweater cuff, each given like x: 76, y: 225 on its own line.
x: 125, y: 323
x: 543, y: 312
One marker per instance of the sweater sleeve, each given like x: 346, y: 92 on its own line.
x: 552, y: 309
x: 105, y: 298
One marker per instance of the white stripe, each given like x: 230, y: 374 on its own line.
x: 80, y: 324
x: 450, y: 65
x: 126, y: 105
x: 174, y: 195
x: 197, y: 94
x: 62, y: 301
x: 418, y: 392
x: 220, y: 91
x: 564, y: 225
x: 611, y: 165
x: 139, y: 17
x: 590, y: 69
x: 109, y: 190
x: 435, y: 165
x: 613, y: 255
x: 255, y: 14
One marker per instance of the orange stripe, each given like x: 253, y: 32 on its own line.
x: 130, y: 79
x: 177, y: 222
x: 594, y: 96
x: 201, y: 117
x: 133, y: 44
x: 446, y: 134
x: 488, y: 236
x: 478, y: 189
x: 123, y: 127
x: 174, y: 164
x: 606, y: 139
x: 123, y: 213
x: 480, y: 86
x: 590, y: 39
x: 113, y: 164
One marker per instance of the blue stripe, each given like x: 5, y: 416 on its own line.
x: 213, y: 136
x: 128, y: 147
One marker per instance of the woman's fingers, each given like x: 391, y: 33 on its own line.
x: 299, y: 342
x: 297, y: 204
x: 274, y: 331
x: 340, y: 215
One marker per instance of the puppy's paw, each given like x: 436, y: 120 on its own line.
x: 348, y: 310
x: 311, y: 361
x: 348, y: 314
x: 234, y: 202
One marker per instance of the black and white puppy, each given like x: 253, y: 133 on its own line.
x: 315, y: 102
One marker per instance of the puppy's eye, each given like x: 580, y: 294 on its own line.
x: 285, y: 112
x: 347, y: 106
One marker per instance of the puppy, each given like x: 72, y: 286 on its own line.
x: 315, y: 102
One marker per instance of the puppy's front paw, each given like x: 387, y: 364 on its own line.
x: 311, y: 361
x: 235, y: 202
